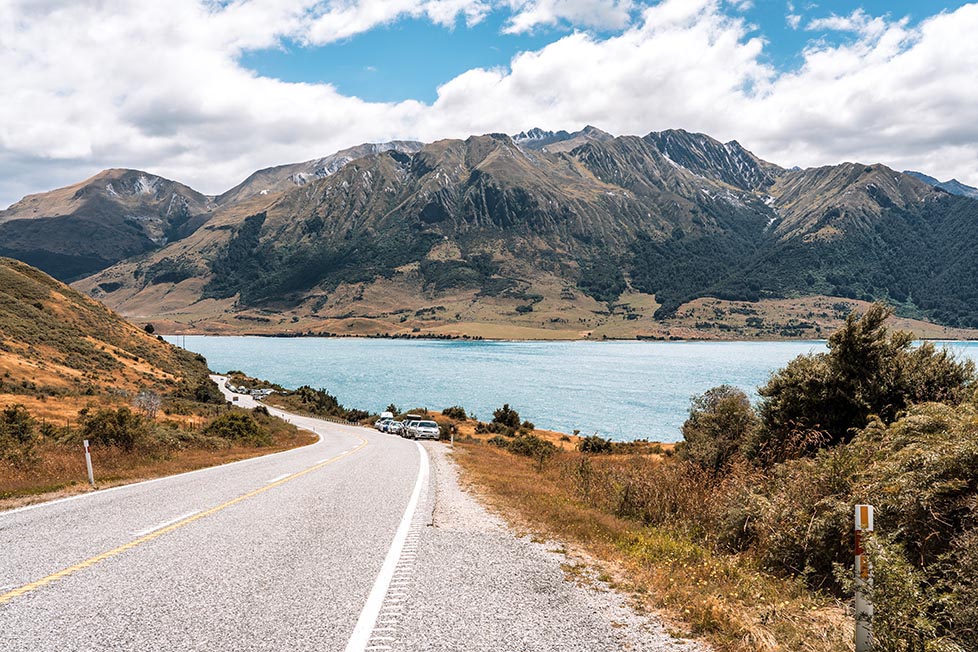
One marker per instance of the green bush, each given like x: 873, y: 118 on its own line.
x: 18, y: 435
x: 506, y: 417
x: 455, y: 412
x: 595, y: 444
x: 121, y: 427
x: 498, y: 441
x: 239, y: 427
x: 534, y: 447
x: 720, y: 420
x: 823, y: 399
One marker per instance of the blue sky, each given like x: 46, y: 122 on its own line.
x: 411, y: 57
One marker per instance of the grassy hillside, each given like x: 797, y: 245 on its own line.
x: 71, y: 369
x: 55, y: 339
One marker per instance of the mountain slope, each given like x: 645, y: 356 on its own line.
x: 54, y: 337
x: 953, y: 186
x: 524, y: 231
x: 78, y: 230
x: 283, y: 178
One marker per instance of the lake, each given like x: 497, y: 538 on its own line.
x: 620, y: 390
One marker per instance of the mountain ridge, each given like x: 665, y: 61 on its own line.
x: 547, y: 229
x: 671, y: 215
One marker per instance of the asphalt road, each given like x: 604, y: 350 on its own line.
x: 326, y: 547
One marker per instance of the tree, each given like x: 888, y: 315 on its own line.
x: 506, y: 416
x: 719, y: 422
x: 149, y: 328
x: 393, y: 409
x: 821, y: 399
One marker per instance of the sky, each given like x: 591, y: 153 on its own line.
x: 207, y: 91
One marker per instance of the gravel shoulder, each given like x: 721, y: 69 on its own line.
x: 476, y: 585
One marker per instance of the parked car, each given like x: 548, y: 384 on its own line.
x: 381, y: 424
x: 394, y: 427
x: 408, y: 421
x: 425, y: 430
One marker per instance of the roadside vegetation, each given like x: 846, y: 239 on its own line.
x: 71, y: 370
x: 316, y: 403
x: 744, y: 533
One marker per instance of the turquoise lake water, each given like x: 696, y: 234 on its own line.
x: 620, y: 390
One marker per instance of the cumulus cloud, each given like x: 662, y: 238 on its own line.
x: 603, y: 14
x: 159, y: 86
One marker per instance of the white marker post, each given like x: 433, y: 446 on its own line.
x: 88, y: 463
x: 864, y: 580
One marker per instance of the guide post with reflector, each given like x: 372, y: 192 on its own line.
x: 864, y: 580
x: 88, y: 463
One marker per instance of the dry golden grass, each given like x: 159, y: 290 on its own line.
x: 722, y: 598
x: 60, y: 470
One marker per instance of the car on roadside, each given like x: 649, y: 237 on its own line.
x: 408, y: 421
x: 381, y: 424
x: 425, y: 430
x: 394, y: 427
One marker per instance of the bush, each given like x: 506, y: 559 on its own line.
x: 823, y: 399
x: 506, y: 417
x: 595, y: 444
x: 18, y: 435
x: 455, y: 412
x: 498, y: 441
x: 122, y: 427
x: 720, y: 420
x: 239, y: 427
x: 534, y: 447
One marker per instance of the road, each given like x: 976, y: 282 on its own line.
x: 325, y: 547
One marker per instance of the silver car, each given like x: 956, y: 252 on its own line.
x: 425, y: 430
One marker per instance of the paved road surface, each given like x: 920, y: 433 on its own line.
x: 326, y: 547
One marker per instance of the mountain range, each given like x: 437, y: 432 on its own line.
x: 567, y: 234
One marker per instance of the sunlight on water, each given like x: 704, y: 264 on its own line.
x: 621, y: 390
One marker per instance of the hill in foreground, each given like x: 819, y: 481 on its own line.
x: 71, y: 369
x: 60, y: 349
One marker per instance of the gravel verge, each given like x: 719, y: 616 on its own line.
x: 476, y: 585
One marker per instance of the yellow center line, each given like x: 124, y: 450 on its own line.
x: 44, y: 581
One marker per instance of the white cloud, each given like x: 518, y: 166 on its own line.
x: 858, y: 22
x: 604, y: 14
x: 158, y: 86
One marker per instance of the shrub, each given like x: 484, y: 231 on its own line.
x: 498, y: 441
x: 506, y: 417
x: 533, y: 447
x: 18, y: 435
x: 720, y: 420
x: 595, y: 444
x: 239, y: 427
x: 822, y: 399
x: 122, y: 427
x: 455, y: 412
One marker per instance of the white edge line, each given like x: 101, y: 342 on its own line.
x: 163, y: 525
x: 101, y: 492
x: 360, y: 638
